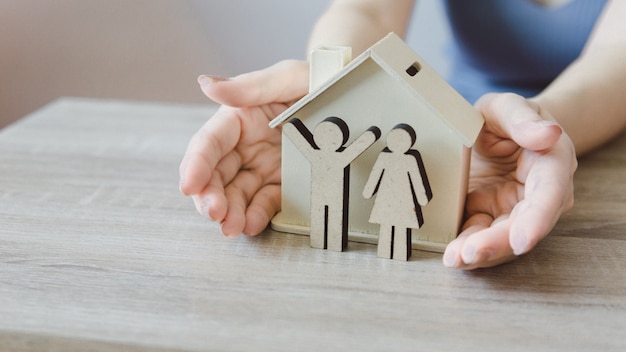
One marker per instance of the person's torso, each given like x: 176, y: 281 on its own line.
x: 515, y: 45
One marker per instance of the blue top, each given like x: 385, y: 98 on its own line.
x: 515, y: 45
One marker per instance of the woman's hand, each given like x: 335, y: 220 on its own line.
x: 521, y: 182
x: 232, y: 164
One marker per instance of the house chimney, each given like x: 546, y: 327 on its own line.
x: 325, y: 62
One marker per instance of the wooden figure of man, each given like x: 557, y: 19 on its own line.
x: 400, y: 182
x: 330, y: 175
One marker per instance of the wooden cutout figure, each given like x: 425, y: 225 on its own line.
x: 330, y: 175
x: 400, y: 182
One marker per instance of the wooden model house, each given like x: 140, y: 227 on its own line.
x: 387, y: 85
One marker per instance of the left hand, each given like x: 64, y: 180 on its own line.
x: 521, y: 182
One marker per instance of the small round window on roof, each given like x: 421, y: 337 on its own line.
x: 413, y: 69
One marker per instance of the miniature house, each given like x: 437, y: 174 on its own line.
x: 387, y: 85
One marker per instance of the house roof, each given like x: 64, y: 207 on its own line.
x: 394, y: 56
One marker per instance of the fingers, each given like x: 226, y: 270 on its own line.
x: 238, y: 195
x: 244, y: 206
x: 242, y: 199
x: 283, y: 82
x: 212, y: 201
x: 216, y: 139
x: 251, y: 205
x: 484, y: 243
x: 526, y: 211
x: 548, y: 193
x: 512, y: 121
x: 264, y: 205
x: 547, y: 176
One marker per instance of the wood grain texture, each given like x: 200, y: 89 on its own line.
x: 100, y: 252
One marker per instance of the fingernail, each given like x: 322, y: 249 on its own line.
x: 538, y: 124
x: 181, y: 184
x: 449, y: 258
x: 519, y: 243
x: 203, y: 205
x: 204, y: 210
x: 235, y: 235
x: 469, y: 254
x: 182, y: 174
x: 203, y: 80
x: 208, y: 79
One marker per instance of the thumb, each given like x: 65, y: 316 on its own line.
x: 283, y: 82
x: 511, y: 117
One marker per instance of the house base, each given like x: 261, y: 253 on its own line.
x: 278, y: 225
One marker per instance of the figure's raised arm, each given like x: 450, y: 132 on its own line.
x: 364, y: 141
x: 301, y: 137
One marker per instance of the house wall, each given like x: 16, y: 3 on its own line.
x: 368, y: 96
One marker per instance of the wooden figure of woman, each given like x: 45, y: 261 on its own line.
x: 399, y: 181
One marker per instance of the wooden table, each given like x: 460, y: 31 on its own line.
x: 99, y: 251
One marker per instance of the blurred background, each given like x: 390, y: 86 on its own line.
x: 154, y: 49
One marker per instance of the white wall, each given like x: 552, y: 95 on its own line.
x: 155, y: 49
x: 254, y: 34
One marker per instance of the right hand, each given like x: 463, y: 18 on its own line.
x: 521, y: 182
x: 232, y: 166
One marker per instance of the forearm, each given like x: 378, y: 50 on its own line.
x: 589, y: 99
x: 361, y: 144
x: 360, y: 23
